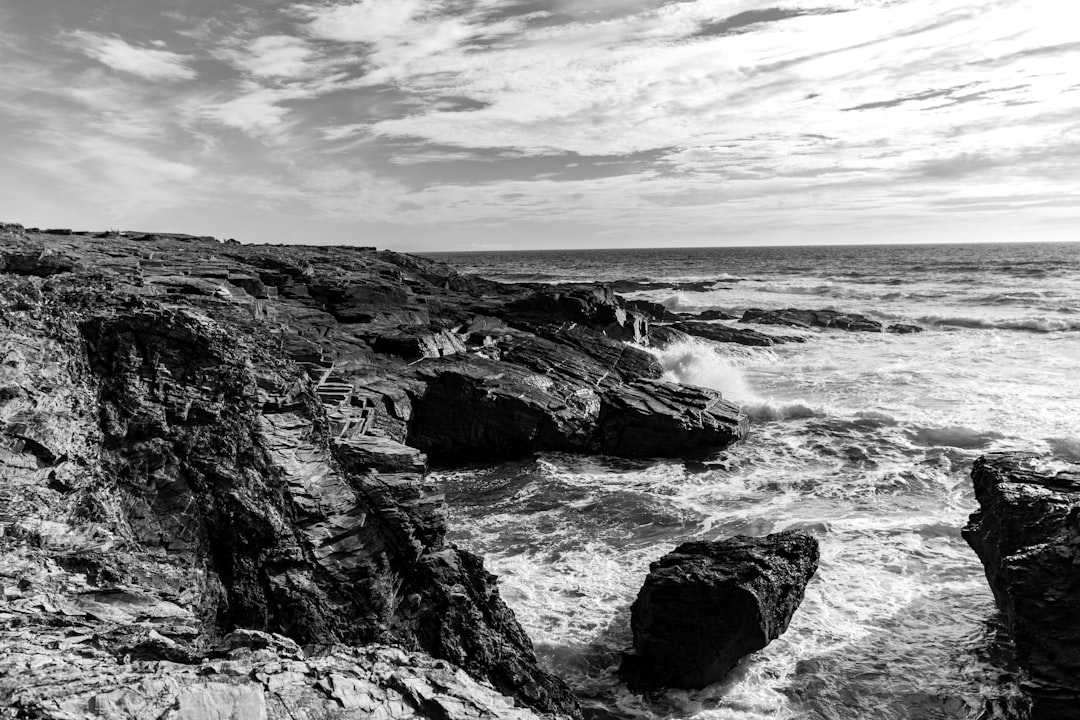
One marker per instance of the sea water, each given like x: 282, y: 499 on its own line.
x: 864, y: 440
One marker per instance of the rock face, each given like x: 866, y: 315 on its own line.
x: 1027, y: 534
x: 706, y: 605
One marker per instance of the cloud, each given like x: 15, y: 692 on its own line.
x: 277, y: 56
x: 148, y: 63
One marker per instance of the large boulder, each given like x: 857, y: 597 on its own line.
x: 1027, y: 534
x: 706, y: 605
x: 469, y: 409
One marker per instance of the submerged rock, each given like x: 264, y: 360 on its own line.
x: 706, y: 605
x: 1027, y: 534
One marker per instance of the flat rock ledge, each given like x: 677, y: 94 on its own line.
x: 252, y: 676
x: 1027, y: 534
x: 706, y: 605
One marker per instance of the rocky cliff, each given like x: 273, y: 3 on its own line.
x: 213, y: 453
x: 1027, y: 534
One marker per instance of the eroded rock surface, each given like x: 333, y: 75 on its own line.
x: 706, y: 605
x: 201, y: 438
x: 1027, y: 534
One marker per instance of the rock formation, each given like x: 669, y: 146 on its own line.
x: 1027, y: 534
x: 706, y: 605
x: 202, y: 438
x: 718, y: 332
x: 851, y: 322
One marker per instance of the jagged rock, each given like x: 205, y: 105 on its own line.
x: 236, y: 431
x: 651, y: 418
x: 251, y: 682
x: 726, y: 333
x: 1027, y: 534
x: 413, y: 343
x: 475, y: 408
x: 653, y: 310
x: 706, y: 605
x: 705, y: 315
x: 813, y: 318
x: 661, y: 336
x: 901, y: 329
x: 597, y: 308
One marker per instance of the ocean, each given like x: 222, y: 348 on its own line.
x: 864, y: 440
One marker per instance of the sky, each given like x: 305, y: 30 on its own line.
x: 432, y: 125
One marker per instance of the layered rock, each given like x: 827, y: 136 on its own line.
x: 200, y: 438
x: 1027, y: 534
x: 249, y: 676
x: 706, y: 605
x: 718, y: 332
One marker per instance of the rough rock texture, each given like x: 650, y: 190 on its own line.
x: 249, y: 676
x: 1027, y: 534
x: 199, y: 438
x: 725, y: 333
x: 706, y: 605
x: 823, y: 318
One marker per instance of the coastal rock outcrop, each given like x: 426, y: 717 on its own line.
x: 202, y: 438
x: 718, y: 332
x: 852, y: 322
x: 706, y: 605
x: 1027, y: 534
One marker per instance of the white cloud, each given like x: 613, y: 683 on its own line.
x: 255, y: 110
x: 277, y: 56
x: 118, y: 54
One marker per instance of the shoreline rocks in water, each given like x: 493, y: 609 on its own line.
x: 1027, y: 535
x: 706, y: 605
x: 852, y: 322
x: 199, y: 438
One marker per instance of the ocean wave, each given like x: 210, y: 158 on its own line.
x: 1029, y: 324
x: 772, y: 410
x: 678, y: 301
x: 695, y: 362
x: 956, y: 436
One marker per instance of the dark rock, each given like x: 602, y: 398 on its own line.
x: 1027, y: 534
x: 726, y: 333
x: 650, y: 418
x: 471, y: 409
x: 597, y: 308
x: 708, y: 315
x: 813, y: 318
x: 706, y: 605
x: 652, y: 310
x: 414, y: 342
x: 662, y: 336
x: 901, y: 329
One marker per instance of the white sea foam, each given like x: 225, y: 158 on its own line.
x: 697, y: 362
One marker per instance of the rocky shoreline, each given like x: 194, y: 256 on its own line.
x: 202, y: 439
x: 216, y: 501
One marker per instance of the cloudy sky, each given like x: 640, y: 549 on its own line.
x: 478, y: 124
